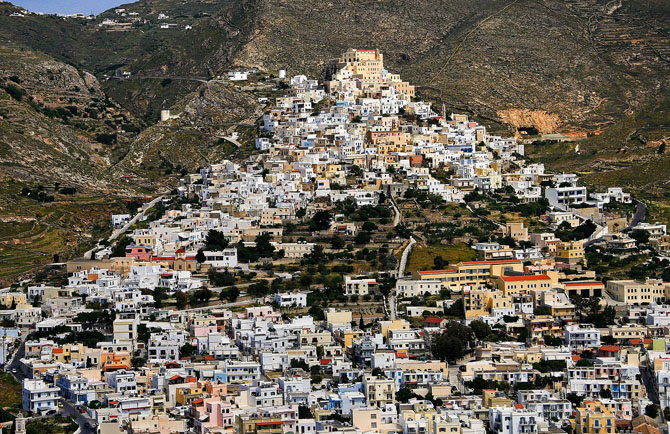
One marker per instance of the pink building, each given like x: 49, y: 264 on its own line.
x: 213, y: 413
x: 264, y: 312
x: 203, y: 331
x: 139, y: 253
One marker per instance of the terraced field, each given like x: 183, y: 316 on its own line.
x: 33, y: 234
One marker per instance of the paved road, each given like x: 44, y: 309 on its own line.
x: 397, y: 216
x: 82, y: 419
x: 233, y: 141
x: 15, y: 363
x: 640, y: 213
x: 117, y: 232
x: 220, y: 306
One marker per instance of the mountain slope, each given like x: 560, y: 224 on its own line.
x: 561, y: 64
x: 57, y: 124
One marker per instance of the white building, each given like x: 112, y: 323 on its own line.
x: 417, y: 288
x: 297, y: 299
x: 227, y: 258
x: 582, y: 335
x: 512, y: 420
x: 565, y: 197
x: 359, y: 286
x: 39, y: 397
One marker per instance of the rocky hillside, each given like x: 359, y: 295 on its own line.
x: 565, y: 64
x: 57, y: 124
x: 194, y: 135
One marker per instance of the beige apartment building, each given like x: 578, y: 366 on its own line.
x: 634, y: 292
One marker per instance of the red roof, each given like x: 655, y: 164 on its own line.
x: 523, y: 278
x: 57, y: 350
x: 209, y: 357
x: 576, y: 358
x: 610, y: 348
x: 433, y: 320
x: 451, y: 270
x: 590, y: 283
x: 324, y: 362
x: 499, y: 261
x: 518, y: 405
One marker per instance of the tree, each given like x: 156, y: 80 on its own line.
x: 480, y: 328
x: 181, y: 298
x: 264, y: 247
x: 640, y: 236
x: 304, y: 412
x: 187, y: 350
x: 320, y: 221
x: 119, y: 249
x: 369, y: 226
x: 200, y: 256
x: 221, y: 278
x: 316, y: 312
x: 299, y: 364
x: 336, y: 243
x: 362, y: 238
x: 159, y: 295
x: 651, y: 410
x: 438, y: 262
x: 137, y: 362
x: 605, y: 393
x: 215, y: 241
x: 404, y: 395
x: 230, y: 294
x: 575, y: 399
x: 452, y: 344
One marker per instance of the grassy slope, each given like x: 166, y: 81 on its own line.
x: 10, y: 391
x: 31, y: 233
x: 625, y: 154
x: 421, y: 257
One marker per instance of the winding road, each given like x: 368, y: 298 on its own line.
x: 117, y: 232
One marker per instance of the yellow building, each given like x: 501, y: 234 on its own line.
x: 378, y: 391
x: 15, y: 298
x: 364, y: 63
x: 472, y: 273
x: 337, y: 316
x: 259, y: 425
x: 515, y: 285
x: 570, y: 252
x: 367, y: 419
x: 634, y: 292
x: 594, y: 418
x: 495, y: 398
x: 186, y: 395
x: 398, y: 324
x: 517, y: 231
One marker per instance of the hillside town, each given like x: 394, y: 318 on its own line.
x: 374, y: 265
